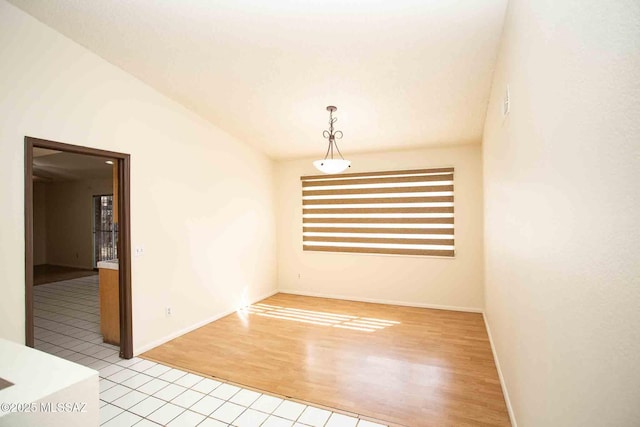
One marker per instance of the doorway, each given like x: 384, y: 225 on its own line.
x: 119, y: 246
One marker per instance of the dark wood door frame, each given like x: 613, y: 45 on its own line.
x: 124, y: 234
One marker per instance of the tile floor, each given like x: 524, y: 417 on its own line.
x: 143, y: 393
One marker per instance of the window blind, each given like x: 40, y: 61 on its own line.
x: 405, y: 212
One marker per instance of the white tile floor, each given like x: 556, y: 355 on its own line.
x: 143, y: 393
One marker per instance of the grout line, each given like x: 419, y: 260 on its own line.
x: 268, y: 393
x: 56, y: 327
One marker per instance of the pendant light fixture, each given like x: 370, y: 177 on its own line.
x: 329, y: 164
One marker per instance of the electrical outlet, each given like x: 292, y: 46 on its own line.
x: 139, y: 250
x: 167, y: 311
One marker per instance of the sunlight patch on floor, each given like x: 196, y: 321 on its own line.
x: 343, y: 321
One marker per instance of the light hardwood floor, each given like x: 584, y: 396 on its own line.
x: 47, y: 273
x: 403, y: 365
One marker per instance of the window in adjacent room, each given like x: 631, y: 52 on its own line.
x: 406, y: 212
x: 105, y: 232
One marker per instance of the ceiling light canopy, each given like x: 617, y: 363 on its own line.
x: 329, y: 164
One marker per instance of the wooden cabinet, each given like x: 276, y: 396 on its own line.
x: 109, y: 306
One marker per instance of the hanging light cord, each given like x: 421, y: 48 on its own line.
x: 332, y: 136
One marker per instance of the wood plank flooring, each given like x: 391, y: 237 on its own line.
x: 404, y: 365
x: 47, y: 273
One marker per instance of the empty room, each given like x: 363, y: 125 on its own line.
x: 320, y: 213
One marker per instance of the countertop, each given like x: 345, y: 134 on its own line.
x: 35, y: 374
x: 111, y: 264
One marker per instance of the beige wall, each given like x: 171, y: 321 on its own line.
x: 421, y: 281
x: 70, y: 221
x: 562, y: 203
x: 39, y: 223
x: 202, y: 203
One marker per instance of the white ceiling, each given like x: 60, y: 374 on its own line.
x: 56, y: 166
x: 403, y: 73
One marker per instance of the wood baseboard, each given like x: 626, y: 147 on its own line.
x: 139, y: 350
x: 505, y: 392
x: 382, y: 301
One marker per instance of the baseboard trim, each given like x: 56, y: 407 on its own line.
x: 382, y: 301
x: 505, y: 392
x: 139, y: 350
x: 79, y: 267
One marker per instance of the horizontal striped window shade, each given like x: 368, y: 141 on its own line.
x: 407, y: 212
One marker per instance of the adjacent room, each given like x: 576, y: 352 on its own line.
x: 72, y: 212
x: 320, y: 213
x: 75, y: 235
